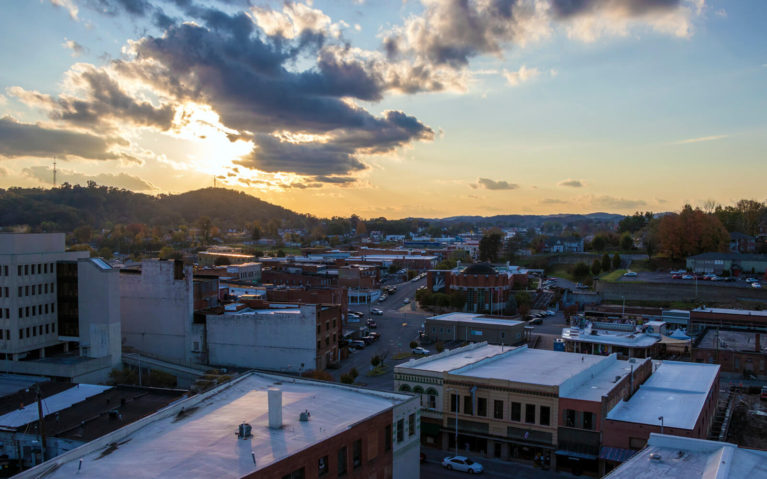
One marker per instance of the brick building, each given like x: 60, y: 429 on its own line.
x: 484, y: 287
x: 739, y: 352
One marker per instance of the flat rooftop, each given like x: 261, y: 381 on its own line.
x: 201, y: 442
x: 615, y: 338
x: 531, y: 366
x: 730, y: 340
x: 743, y: 312
x: 598, y: 381
x: 676, y: 390
x: 475, y: 318
x: 456, y: 358
x: 687, y: 458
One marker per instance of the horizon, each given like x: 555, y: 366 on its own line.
x: 427, y: 110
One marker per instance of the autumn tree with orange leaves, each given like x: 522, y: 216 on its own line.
x: 691, y: 232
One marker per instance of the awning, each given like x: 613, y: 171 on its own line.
x: 579, y: 455
x: 615, y: 454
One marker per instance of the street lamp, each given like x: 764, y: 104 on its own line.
x: 451, y: 390
x: 660, y: 418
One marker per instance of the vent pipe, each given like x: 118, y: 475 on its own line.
x: 275, y: 408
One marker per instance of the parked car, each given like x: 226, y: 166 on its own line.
x: 376, y: 311
x: 369, y: 339
x: 631, y: 274
x: 751, y: 280
x: 676, y: 276
x: 356, y: 343
x: 461, y: 463
x: 371, y: 324
x: 406, y: 301
x: 688, y: 276
x: 756, y: 285
x: 375, y: 335
x: 421, y: 351
x: 763, y: 396
x: 382, y: 298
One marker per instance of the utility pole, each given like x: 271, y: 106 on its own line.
x: 40, y: 422
x: 54, y: 172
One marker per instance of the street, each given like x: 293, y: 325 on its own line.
x: 397, y: 326
x: 493, y: 468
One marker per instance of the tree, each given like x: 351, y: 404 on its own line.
x: 616, y: 261
x: 691, y: 232
x: 606, y: 264
x: 255, y: 235
x: 354, y: 373
x: 375, y: 360
x: 205, y: 226
x: 82, y: 234
x: 627, y: 242
x: 599, y: 243
x: 167, y: 252
x: 596, y: 267
x: 105, y: 253
x: 347, y: 379
x: 413, y: 344
x: 581, y: 271
x: 490, y: 247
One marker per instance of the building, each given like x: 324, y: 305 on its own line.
x: 484, y: 287
x: 742, y: 243
x: 273, y: 336
x: 739, y: 352
x: 73, y: 415
x: 59, y: 310
x: 625, y: 339
x: 678, y: 398
x: 259, y: 426
x: 734, y: 263
x: 687, y: 458
x: 725, y: 318
x: 223, y: 255
x: 557, y: 244
x: 425, y: 377
x: 474, y: 327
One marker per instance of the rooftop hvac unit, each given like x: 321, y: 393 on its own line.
x: 243, y: 431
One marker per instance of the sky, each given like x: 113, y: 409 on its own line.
x: 395, y: 108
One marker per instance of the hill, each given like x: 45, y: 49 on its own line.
x: 66, y: 207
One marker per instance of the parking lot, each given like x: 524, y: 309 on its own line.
x: 656, y: 277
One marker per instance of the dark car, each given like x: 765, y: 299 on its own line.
x: 372, y: 324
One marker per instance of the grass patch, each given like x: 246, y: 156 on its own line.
x: 562, y: 271
x: 642, y: 266
x: 402, y: 355
x: 377, y: 371
x: 613, y: 276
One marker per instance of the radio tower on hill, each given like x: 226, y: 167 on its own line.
x: 54, y: 172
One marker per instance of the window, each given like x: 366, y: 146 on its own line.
x: 342, y: 466
x: 322, y: 466
x: 411, y: 425
x: 482, y: 407
x: 569, y: 418
x: 588, y: 420
x: 516, y: 411
x: 498, y: 409
x: 453, y: 401
x: 20, y: 270
x: 545, y: 416
x: 21, y: 312
x: 467, y: 405
x: 387, y: 438
x: 433, y: 401
x: 357, y: 453
x: 21, y: 291
x: 400, y: 430
x: 26, y: 269
x: 297, y: 474
x: 530, y: 413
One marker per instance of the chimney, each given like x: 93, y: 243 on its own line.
x: 275, y: 408
x: 758, y: 347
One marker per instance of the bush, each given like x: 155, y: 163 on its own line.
x: 347, y: 379
x: 439, y: 346
x: 616, y: 261
x: 596, y: 267
x: 581, y: 271
x: 375, y: 361
x: 413, y: 344
x: 354, y: 373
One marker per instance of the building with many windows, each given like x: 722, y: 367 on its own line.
x: 59, y: 310
x: 259, y: 426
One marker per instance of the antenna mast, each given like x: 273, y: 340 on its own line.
x: 54, y: 172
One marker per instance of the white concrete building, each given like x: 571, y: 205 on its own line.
x: 157, y: 310
x: 53, y: 301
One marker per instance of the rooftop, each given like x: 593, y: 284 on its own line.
x: 616, y: 338
x: 456, y: 358
x: 730, y: 340
x: 745, y: 312
x: 479, y: 268
x: 531, y: 366
x: 201, y: 442
x: 599, y: 380
x: 676, y: 391
x: 475, y: 318
x: 687, y: 458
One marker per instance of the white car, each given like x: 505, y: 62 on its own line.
x: 406, y: 301
x: 376, y: 311
x: 751, y: 280
x: 461, y: 463
x: 631, y: 274
x: 756, y: 285
x: 421, y: 351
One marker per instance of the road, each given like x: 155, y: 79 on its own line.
x: 397, y: 326
x: 493, y: 468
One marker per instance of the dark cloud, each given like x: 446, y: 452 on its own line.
x: 571, y: 183
x: 24, y: 139
x: 273, y: 155
x: 120, y: 180
x: 489, y: 184
x: 571, y: 8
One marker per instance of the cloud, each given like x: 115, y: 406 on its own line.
x: 76, y: 48
x: 489, y: 184
x: 571, y: 183
x: 552, y: 201
x: 120, y: 180
x: 612, y: 203
x: 68, y: 5
x: 721, y: 13
x: 700, y: 139
x: 522, y: 75
x: 25, y: 139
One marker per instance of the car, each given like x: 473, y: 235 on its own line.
x: 352, y: 319
x: 763, y: 395
x: 382, y: 298
x: 676, y: 276
x: 376, y: 311
x: 369, y: 339
x: 461, y: 463
x: 756, y: 285
x: 631, y: 274
x: 372, y: 324
x: 536, y: 320
x: 406, y: 301
x: 751, y: 280
x: 357, y: 344
x: 375, y: 335
x: 550, y: 312
x: 421, y: 351
x: 688, y: 276
x: 718, y: 278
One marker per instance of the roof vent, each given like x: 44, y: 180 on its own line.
x: 275, y: 408
x: 617, y: 378
x: 304, y: 416
x: 243, y: 431
x: 654, y: 456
